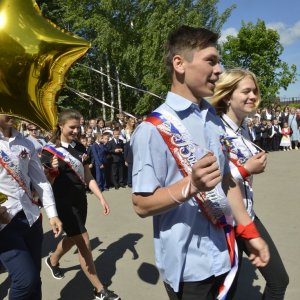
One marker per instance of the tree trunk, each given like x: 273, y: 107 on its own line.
x: 119, y: 92
x: 112, y: 94
x: 103, y: 95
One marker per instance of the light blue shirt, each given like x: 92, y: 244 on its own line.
x: 188, y: 247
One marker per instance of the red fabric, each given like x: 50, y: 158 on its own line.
x: 247, y: 232
x: 53, y: 173
x: 241, y: 168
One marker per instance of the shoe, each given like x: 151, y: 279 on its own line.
x: 130, y: 185
x: 106, y: 294
x: 55, y: 270
x: 123, y: 186
x: 117, y: 187
x: 296, y: 148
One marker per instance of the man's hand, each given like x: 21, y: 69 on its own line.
x: 259, y: 252
x: 56, y: 225
x: 206, y: 173
x: 257, y: 163
x: 4, y: 216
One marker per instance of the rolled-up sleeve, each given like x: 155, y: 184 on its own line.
x: 149, y: 159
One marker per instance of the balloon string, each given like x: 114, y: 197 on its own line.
x: 87, y: 97
x: 122, y: 83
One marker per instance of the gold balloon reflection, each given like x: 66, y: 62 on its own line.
x: 34, y: 58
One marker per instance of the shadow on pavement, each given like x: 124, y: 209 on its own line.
x: 80, y: 288
x: 246, y: 289
x: 148, y: 273
x: 50, y: 243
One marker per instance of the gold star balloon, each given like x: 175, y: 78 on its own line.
x: 34, y: 58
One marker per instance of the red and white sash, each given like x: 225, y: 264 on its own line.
x: 14, y: 171
x: 74, y: 164
x: 213, y: 203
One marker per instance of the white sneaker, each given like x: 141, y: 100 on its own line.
x: 296, y: 148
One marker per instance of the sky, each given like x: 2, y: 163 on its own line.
x: 281, y: 15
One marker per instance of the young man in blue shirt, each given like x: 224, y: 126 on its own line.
x: 191, y: 252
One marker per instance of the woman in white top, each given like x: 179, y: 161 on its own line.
x: 236, y: 96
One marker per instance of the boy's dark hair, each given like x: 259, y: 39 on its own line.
x: 106, y: 134
x: 187, y: 38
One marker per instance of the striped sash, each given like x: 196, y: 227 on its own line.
x: 214, y: 204
x: 74, y: 164
x: 14, y: 171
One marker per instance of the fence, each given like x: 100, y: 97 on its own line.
x: 291, y: 100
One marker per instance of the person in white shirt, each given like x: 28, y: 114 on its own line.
x: 21, y: 232
x: 236, y: 95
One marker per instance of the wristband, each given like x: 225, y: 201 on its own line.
x: 244, y: 172
x: 173, y: 198
x: 53, y: 172
x: 187, y: 189
x: 247, y: 232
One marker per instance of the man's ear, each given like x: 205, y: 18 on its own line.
x: 178, y: 64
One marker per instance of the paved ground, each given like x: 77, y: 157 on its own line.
x: 123, y: 248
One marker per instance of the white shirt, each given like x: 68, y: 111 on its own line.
x: 31, y: 172
x: 241, y: 149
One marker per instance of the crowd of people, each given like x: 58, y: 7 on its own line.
x: 193, y: 167
x: 107, y: 144
x: 275, y: 128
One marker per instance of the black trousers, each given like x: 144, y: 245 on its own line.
x: 274, y: 272
x: 117, y: 170
x: 207, y: 289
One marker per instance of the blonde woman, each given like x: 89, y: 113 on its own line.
x: 129, y: 128
x: 236, y: 96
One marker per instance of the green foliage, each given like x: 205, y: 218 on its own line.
x: 258, y: 49
x: 129, y: 35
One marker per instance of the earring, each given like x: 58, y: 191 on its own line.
x: 228, y: 103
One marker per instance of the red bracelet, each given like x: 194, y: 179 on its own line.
x: 53, y: 172
x: 243, y: 171
x: 247, y: 232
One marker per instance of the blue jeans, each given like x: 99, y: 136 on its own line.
x: 20, y: 253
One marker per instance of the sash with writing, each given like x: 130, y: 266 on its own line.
x: 74, y: 164
x: 214, y: 204
x: 14, y: 171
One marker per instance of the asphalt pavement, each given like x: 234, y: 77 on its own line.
x: 122, y: 242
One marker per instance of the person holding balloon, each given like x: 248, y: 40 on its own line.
x: 21, y: 232
x: 67, y: 166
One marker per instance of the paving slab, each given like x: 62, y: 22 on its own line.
x: 122, y: 242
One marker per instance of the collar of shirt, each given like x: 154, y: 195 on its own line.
x: 66, y: 145
x: 179, y: 103
x: 232, y: 125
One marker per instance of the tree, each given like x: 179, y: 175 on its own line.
x: 127, y: 38
x: 258, y: 49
